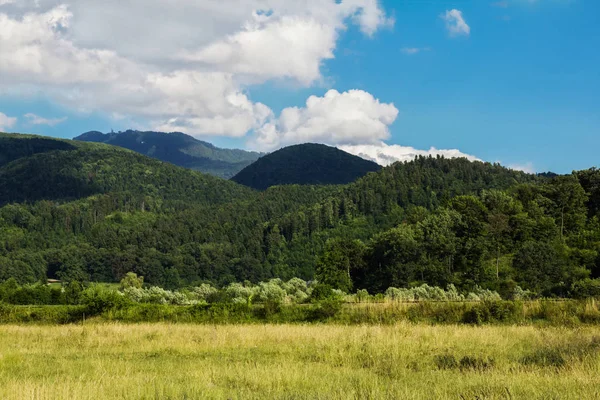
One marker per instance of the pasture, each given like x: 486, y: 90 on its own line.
x: 405, y: 360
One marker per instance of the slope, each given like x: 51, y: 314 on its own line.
x: 432, y: 220
x: 305, y: 164
x: 38, y: 168
x: 179, y: 149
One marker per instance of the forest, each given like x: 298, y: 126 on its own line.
x: 89, y: 212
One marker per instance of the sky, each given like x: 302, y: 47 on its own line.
x: 509, y: 81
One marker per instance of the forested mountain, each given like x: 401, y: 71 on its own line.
x: 179, y: 149
x: 82, y: 211
x: 305, y: 164
x: 38, y: 168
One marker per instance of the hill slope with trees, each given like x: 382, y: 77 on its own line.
x: 179, y: 149
x: 107, y: 211
x: 305, y: 164
x: 39, y: 168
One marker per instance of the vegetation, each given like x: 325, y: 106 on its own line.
x: 143, y: 361
x: 91, y: 212
x: 179, y: 149
x: 305, y: 164
x: 276, y: 301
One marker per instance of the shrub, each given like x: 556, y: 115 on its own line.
x: 503, y: 311
x: 320, y: 292
x: 98, y: 299
x: 362, y: 295
x: 396, y: 294
x: 295, y: 285
x: 586, y: 288
x: 325, y: 309
x: 271, y: 295
x: 453, y: 295
x: 131, y: 280
x: 204, y: 291
x: 134, y: 294
x: 520, y: 294
x: 477, y: 315
x: 434, y: 293
x: 485, y: 294
x: 73, y: 291
x: 238, y: 293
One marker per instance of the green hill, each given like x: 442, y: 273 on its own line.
x: 37, y: 168
x: 305, y: 164
x: 179, y: 149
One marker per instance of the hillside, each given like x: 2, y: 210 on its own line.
x: 90, y: 211
x: 305, y: 164
x: 36, y: 168
x: 179, y: 149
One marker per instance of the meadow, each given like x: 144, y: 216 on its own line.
x: 100, y: 360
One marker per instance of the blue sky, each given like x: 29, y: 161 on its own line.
x: 520, y: 86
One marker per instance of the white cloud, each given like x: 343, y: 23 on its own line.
x: 527, y: 167
x: 353, y: 117
x: 37, y: 120
x: 455, y: 23
x: 385, y: 154
x: 36, y: 51
x: 187, y: 72
x: 6, y: 122
x: 414, y: 50
x: 353, y: 121
x: 203, y: 103
x: 263, y: 50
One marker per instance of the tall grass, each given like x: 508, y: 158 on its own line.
x: 401, y: 361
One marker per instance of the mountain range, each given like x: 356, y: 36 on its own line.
x: 179, y: 149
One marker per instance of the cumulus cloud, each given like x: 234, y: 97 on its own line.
x: 6, y: 122
x: 352, y: 117
x: 384, y: 154
x: 456, y: 24
x: 262, y: 50
x: 36, y: 51
x: 190, y: 71
x: 37, y: 120
x: 353, y: 121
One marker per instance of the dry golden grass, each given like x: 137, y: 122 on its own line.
x: 161, y: 361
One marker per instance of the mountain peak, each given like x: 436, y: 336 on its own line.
x: 179, y: 149
x: 305, y: 164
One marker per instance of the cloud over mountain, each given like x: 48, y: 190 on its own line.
x: 151, y: 60
x: 352, y: 117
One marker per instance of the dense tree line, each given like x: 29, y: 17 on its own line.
x: 433, y: 220
x: 544, y: 237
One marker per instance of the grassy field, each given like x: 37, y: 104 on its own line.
x: 402, y: 361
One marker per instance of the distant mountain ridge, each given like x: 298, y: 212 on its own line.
x: 305, y: 164
x: 34, y: 168
x: 179, y: 149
